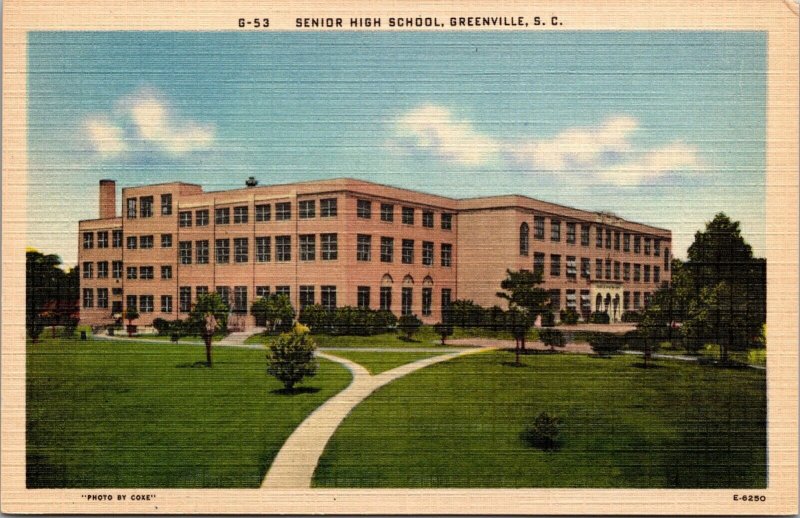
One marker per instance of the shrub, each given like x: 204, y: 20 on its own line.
x: 631, y: 316
x: 385, y: 321
x: 70, y: 325
x: 35, y: 328
x: 161, y: 326
x: 544, y: 432
x: 291, y: 357
x: 606, y: 344
x: 409, y: 325
x: 599, y: 317
x: 317, y: 318
x: 552, y: 338
x: 569, y: 316
x: 443, y: 330
x: 548, y: 319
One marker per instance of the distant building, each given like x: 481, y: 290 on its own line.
x: 346, y: 242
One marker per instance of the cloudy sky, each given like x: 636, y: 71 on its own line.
x: 665, y: 128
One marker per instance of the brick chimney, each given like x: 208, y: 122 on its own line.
x: 108, y: 199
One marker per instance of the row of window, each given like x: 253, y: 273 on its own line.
x: 613, y: 238
x: 102, y: 239
x: 603, y: 268
x: 145, y: 206
x: 638, y: 300
x: 407, y: 215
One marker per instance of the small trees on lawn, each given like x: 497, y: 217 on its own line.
x: 443, y: 329
x: 131, y: 314
x: 291, y: 357
x: 209, y: 314
x: 409, y: 325
x: 552, y: 338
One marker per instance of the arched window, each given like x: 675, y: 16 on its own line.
x: 524, y: 239
x: 598, y: 303
x: 427, y: 281
x: 666, y: 259
x: 408, y: 280
x: 387, y: 280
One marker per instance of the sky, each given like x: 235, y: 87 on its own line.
x: 666, y: 128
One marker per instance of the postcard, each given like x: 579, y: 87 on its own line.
x: 400, y: 257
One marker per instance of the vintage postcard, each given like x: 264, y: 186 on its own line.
x: 400, y: 257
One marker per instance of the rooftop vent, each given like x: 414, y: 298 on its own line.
x: 251, y: 182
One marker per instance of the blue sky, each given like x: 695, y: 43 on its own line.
x: 666, y: 128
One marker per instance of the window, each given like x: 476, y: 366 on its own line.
x: 131, y: 272
x: 166, y: 272
x: 166, y: 204
x: 146, y: 273
x: 647, y: 298
x: 447, y: 297
x: 330, y: 246
x: 598, y: 268
x: 185, y: 218
x: 555, y: 300
x: 608, y: 269
x: 131, y: 302
x: 307, y: 209
x: 225, y: 294
x: 283, y: 290
x: 538, y: 263
x: 586, y: 268
x: 102, y: 239
x: 599, y: 237
x: 364, y: 209
x: 222, y: 216
x: 427, y: 301
x: 241, y: 215
x: 166, y: 240
x: 222, y: 250
x: 616, y: 240
x: 637, y: 244
x: 87, y: 270
x: 666, y: 259
x: 387, y: 212
x: 88, y: 297
x: 387, y: 249
x: 328, y: 297
x: 102, y: 298
x: 116, y: 239
x: 386, y: 298
x: 408, y: 215
x: 608, y: 238
x: 626, y: 271
x: 571, y: 233
x: 262, y: 291
x: 146, y: 242
x: 329, y: 207
x: 166, y: 303
x: 184, y: 299
x: 585, y: 235
x: 555, y: 230
x: 116, y: 269
x: 447, y: 221
x: 131, y: 208
x: 102, y: 270
x: 363, y: 297
x: 626, y: 301
x: 647, y: 246
x: 146, y: 303
x: 406, y: 295
x: 201, y: 218
x: 524, y: 239
x: 239, y: 299
x: 637, y: 272
x: 146, y: 206
x: 572, y: 300
x: 201, y: 291
x: 637, y: 300
x: 616, y: 270
x: 88, y: 240
x: 586, y: 304
x: 283, y: 248
x: 555, y: 265
x: 656, y: 247
x: 263, y: 249
x: 263, y: 213
x: 308, y: 247
x: 306, y: 296
x: 241, y: 250
x: 427, y: 253
x: 572, y: 267
x: 408, y: 251
x: 647, y: 273
x: 538, y: 227
x: 626, y: 242
x: 427, y: 219
x: 283, y: 211
x: 201, y: 251
x: 446, y: 254
x: 364, y: 247
x: 185, y: 252
x: 656, y: 273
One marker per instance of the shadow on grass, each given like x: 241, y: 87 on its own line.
x: 649, y: 366
x: 513, y: 364
x: 408, y: 340
x: 295, y: 391
x: 191, y: 365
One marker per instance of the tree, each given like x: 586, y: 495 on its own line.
x: 552, y: 338
x: 720, y: 315
x: 208, y: 315
x: 131, y: 314
x: 409, y: 325
x: 443, y: 329
x: 291, y: 358
x: 518, y: 324
x: 48, y: 288
x: 657, y: 322
x: 275, y: 311
x: 520, y: 290
x: 35, y: 328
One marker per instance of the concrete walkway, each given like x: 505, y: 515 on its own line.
x: 238, y: 337
x: 294, y: 466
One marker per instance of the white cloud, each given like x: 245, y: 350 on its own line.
x: 107, y: 139
x: 604, y: 151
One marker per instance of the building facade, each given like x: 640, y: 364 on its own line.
x: 346, y: 242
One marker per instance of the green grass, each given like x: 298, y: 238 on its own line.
x: 458, y: 424
x: 166, y: 338
x: 122, y: 414
x: 380, y: 341
x: 377, y: 362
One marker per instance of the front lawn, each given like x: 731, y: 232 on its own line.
x: 458, y: 424
x: 122, y: 414
x: 424, y: 339
x: 377, y: 362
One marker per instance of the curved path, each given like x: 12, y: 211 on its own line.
x: 293, y: 467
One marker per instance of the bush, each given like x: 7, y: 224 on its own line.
x: 544, y: 432
x: 631, y: 316
x: 35, y: 328
x: 569, y: 316
x: 599, y: 317
x: 291, y: 357
x: 70, y: 325
x: 161, y: 326
x: 317, y: 318
x: 409, y: 325
x: 443, y: 330
x: 606, y: 344
x: 548, y: 319
x: 552, y: 338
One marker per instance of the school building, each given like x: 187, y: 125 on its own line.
x: 346, y: 242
